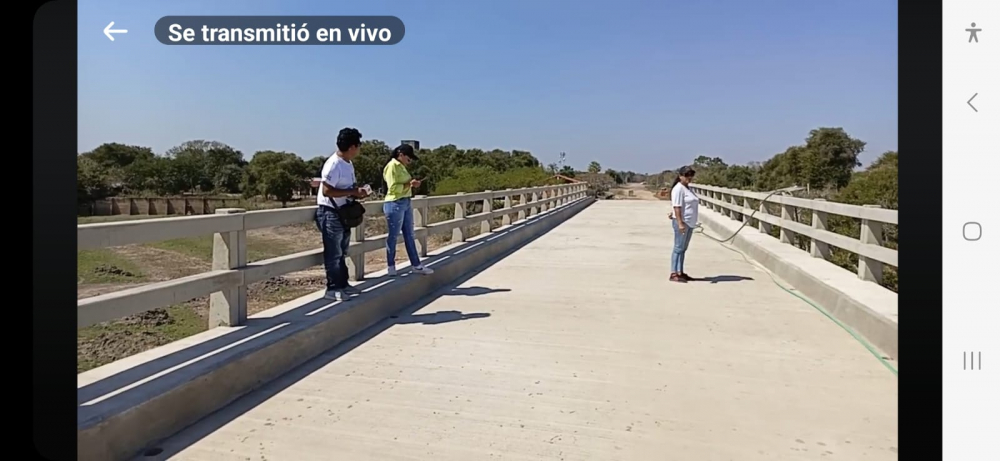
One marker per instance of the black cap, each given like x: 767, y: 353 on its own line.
x: 406, y: 150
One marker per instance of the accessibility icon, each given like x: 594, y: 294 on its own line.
x: 973, y: 33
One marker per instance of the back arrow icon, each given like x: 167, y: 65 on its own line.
x: 969, y: 102
x: 108, y: 31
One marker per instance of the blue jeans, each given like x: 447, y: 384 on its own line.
x: 336, y: 241
x: 681, y: 241
x: 399, y: 217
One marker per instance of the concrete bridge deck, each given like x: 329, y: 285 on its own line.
x: 577, y: 347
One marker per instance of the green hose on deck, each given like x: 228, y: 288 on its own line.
x: 792, y: 292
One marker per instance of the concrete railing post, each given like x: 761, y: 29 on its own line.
x: 487, y: 225
x: 746, y: 207
x: 421, y: 214
x: 229, y: 251
x: 764, y: 227
x: 534, y: 200
x: 505, y: 221
x: 871, y: 234
x: 817, y: 248
x: 784, y: 234
x: 458, y: 233
x: 356, y: 262
x: 727, y: 198
x: 521, y: 215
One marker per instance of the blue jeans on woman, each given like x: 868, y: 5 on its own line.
x: 399, y: 216
x: 681, y: 241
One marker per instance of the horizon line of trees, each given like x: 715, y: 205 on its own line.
x: 212, y: 167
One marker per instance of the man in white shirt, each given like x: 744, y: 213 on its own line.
x: 339, y: 185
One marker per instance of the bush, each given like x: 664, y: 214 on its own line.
x: 478, y: 179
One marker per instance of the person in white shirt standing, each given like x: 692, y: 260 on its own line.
x: 685, y: 218
x: 339, y: 186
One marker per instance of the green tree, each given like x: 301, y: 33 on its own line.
x: 568, y: 171
x: 877, y: 185
x: 92, y: 181
x: 481, y: 178
x: 710, y: 170
x: 203, y: 165
x: 276, y: 174
x: 594, y: 167
x: 371, y: 159
x: 111, y: 156
x: 831, y: 157
x: 740, y: 177
x: 115, y: 160
x: 228, y: 178
x: 315, y: 165
x: 155, y: 175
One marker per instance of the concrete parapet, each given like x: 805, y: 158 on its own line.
x: 127, y: 405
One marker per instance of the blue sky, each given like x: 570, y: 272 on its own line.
x: 636, y: 85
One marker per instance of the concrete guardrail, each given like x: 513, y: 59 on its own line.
x: 872, y: 256
x: 227, y: 282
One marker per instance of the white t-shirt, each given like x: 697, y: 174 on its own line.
x: 686, y: 199
x: 338, y: 173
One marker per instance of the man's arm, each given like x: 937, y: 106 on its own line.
x: 333, y: 192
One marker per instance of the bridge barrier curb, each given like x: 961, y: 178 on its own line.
x: 869, y: 309
x: 272, y: 343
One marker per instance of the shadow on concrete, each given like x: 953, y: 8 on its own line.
x: 475, y: 291
x: 107, y: 392
x: 437, y: 317
x: 187, y: 437
x: 723, y: 278
x: 258, y: 326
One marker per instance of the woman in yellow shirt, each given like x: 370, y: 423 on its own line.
x: 398, y: 210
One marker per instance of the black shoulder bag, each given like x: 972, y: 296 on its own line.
x: 352, y: 214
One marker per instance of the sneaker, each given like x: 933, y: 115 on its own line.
x: 677, y: 278
x: 351, y: 290
x: 336, y: 295
x: 391, y: 271
x: 423, y: 270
